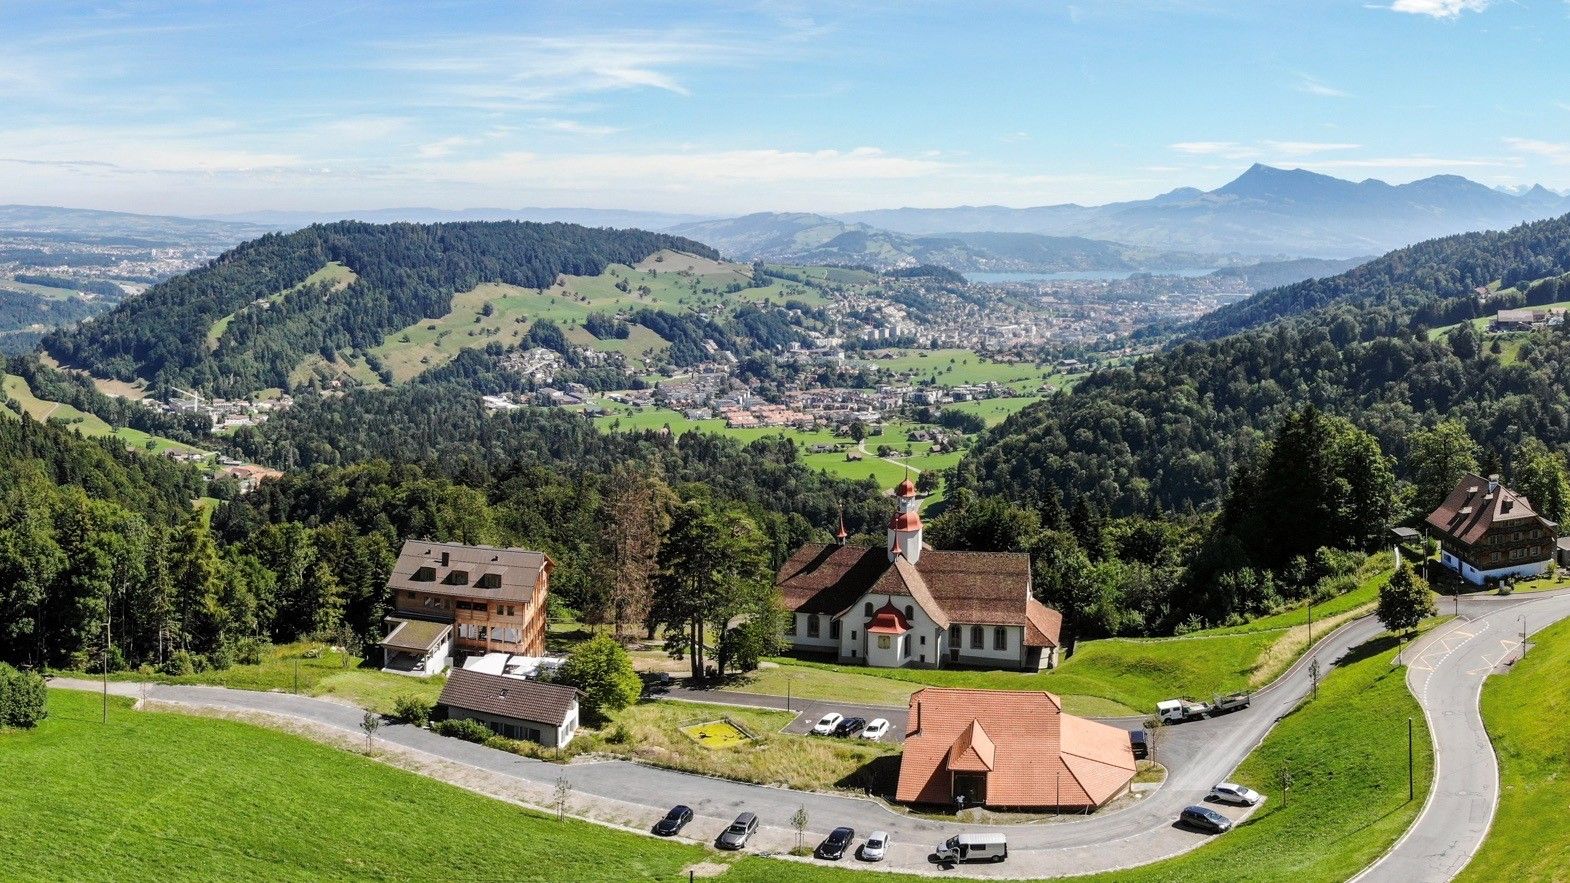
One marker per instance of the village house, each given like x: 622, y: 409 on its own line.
x: 513, y: 708
x: 903, y: 604
x: 493, y: 599
x: 1009, y: 749
x: 1488, y: 532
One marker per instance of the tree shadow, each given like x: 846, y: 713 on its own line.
x: 1371, y: 647
x: 879, y: 776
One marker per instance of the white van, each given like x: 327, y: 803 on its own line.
x: 973, y: 848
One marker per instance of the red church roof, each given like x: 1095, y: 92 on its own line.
x: 888, y: 621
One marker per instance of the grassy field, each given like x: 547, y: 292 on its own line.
x: 155, y: 796
x: 954, y: 367
x: 1525, y: 712
x: 1347, y: 804
x: 1113, y: 677
x: 287, y: 669
x: 653, y: 735
x: 994, y: 411
x: 90, y: 425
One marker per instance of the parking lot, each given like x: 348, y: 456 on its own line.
x: 813, y: 710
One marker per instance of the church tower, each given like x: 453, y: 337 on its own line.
x: 905, y: 527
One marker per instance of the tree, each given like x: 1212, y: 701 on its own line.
x: 798, y: 822
x: 1405, y: 601
x: 602, y: 671
x: 1541, y: 475
x: 561, y: 792
x: 370, y: 724
x: 1438, y: 459
x: 987, y: 524
x: 22, y: 698
x: 713, y: 567
x: 633, y: 517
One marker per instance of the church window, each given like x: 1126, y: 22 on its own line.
x: 910, y: 612
x: 868, y: 608
x: 813, y: 628
x: 977, y: 641
x: 834, y: 629
x: 1000, y: 638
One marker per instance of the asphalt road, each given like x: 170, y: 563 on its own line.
x: 1446, y: 674
x: 1198, y: 755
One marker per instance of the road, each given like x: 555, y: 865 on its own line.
x: 1446, y: 674
x: 1198, y: 755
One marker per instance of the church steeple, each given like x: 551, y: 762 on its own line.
x: 842, y: 533
x: 905, y: 527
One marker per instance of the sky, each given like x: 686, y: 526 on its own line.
x: 720, y: 108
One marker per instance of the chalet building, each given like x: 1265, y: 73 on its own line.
x: 491, y: 600
x: 1487, y: 532
x: 906, y: 605
x: 512, y: 707
x: 1009, y: 749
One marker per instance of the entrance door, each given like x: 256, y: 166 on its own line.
x: 971, y: 786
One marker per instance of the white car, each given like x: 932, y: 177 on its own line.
x: 1241, y: 795
x: 827, y: 723
x: 876, y: 848
x: 876, y: 729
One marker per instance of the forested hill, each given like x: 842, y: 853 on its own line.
x: 397, y: 274
x: 1408, y: 278
x: 1373, y: 347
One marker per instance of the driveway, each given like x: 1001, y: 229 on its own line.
x: 1446, y: 675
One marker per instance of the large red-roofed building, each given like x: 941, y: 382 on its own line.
x: 1487, y: 532
x: 1009, y: 749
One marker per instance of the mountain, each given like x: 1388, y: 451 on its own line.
x: 122, y: 228
x: 587, y: 217
x: 803, y: 238
x: 1371, y: 345
x: 1265, y: 210
x: 249, y: 319
x: 1274, y: 274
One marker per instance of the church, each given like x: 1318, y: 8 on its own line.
x: 906, y: 605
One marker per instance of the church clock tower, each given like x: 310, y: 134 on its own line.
x: 905, y: 527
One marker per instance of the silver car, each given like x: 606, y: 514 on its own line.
x: 739, y: 832
x: 876, y: 849
x: 1238, y: 795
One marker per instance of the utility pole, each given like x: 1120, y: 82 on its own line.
x: 1412, y: 781
x: 1310, y: 622
x: 106, y: 669
x: 1523, y: 636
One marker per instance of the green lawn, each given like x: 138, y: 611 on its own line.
x: 955, y: 367
x: 157, y: 796
x: 333, y: 273
x: 1526, y: 711
x: 994, y: 411
x: 286, y: 669
x: 90, y: 425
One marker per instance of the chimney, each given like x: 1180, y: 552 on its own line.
x: 445, y: 558
x: 1493, y: 482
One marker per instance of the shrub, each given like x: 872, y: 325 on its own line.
x: 251, y: 651
x: 21, y: 698
x: 222, y: 658
x: 618, y: 735
x: 413, y: 710
x: 465, y: 729
x: 179, y: 663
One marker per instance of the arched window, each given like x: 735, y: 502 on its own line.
x: 976, y: 637
x: 1000, y: 638
x: 868, y: 608
x: 910, y: 612
x: 954, y: 637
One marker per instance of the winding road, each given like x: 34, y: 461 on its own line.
x: 1446, y: 675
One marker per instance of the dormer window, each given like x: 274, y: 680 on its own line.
x: 424, y: 575
x: 457, y: 578
x: 489, y: 581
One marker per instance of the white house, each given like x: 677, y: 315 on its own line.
x: 907, y: 605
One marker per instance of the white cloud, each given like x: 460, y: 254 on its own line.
x: 1438, y: 8
x: 445, y: 146
x: 1554, y: 151
x: 1315, y: 86
x: 685, y: 169
x: 1304, y: 148
x: 573, y: 127
x: 1228, y: 149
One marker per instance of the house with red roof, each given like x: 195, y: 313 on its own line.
x: 1487, y: 532
x: 904, y: 604
x: 1009, y: 749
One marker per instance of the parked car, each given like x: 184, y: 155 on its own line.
x: 1241, y: 795
x: 1205, y: 819
x: 876, y: 730
x: 1230, y: 702
x: 674, y: 821
x: 1177, y: 711
x: 657, y: 682
x: 739, y: 832
x: 1139, y: 741
x: 850, y: 726
x: 876, y: 849
x: 833, y: 847
x: 827, y: 723
x: 973, y: 848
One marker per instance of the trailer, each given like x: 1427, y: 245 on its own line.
x: 1230, y: 702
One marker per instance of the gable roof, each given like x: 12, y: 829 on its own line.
x: 513, y: 572
x: 991, y: 588
x: 1033, y: 753
x: 1478, y: 504
x: 508, y: 697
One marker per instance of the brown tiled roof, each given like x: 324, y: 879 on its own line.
x: 514, y: 571
x: 975, y: 587
x: 508, y: 697
x: 1478, y: 504
x: 1043, y: 625
x: 1039, y: 756
x: 415, y: 634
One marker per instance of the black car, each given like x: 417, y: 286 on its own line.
x: 850, y: 726
x: 834, y: 846
x: 1140, y: 742
x: 1205, y: 819
x: 674, y: 821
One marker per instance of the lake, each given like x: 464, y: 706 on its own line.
x: 1080, y: 275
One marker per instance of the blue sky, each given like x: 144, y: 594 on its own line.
x: 728, y: 107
